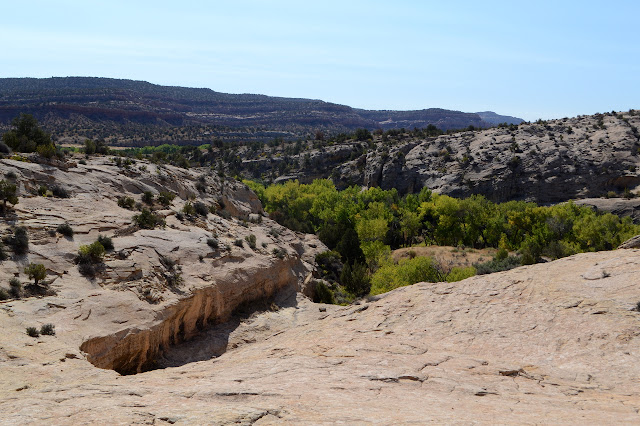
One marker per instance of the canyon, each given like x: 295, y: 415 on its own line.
x: 173, y: 330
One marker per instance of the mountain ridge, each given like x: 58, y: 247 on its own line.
x: 125, y: 110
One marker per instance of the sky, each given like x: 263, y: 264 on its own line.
x: 530, y: 59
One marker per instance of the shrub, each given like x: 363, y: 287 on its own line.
x: 188, y: 209
x: 89, y: 147
x: 65, y: 229
x: 514, y: 162
x: 323, y: 294
x: 501, y: 254
x: 200, y: 208
x: 106, y: 242
x: 89, y: 258
x: 47, y: 151
x: 42, y: 190
x: 406, y: 272
x: 328, y: 257
x: 174, y: 279
x: 36, y: 271
x: 15, y: 288
x: 355, y: 279
x: 148, y: 220
x: 279, y: 252
x: 48, y: 330
x: 3, y: 254
x: 166, y: 198
x: 4, y: 294
x: 147, y: 197
x: 213, y: 243
x: 238, y: 242
x: 93, y: 253
x: 59, y: 192
x: 460, y: 273
x: 8, y: 193
x: 33, y: 332
x: 498, y: 265
x: 363, y: 134
x: 87, y: 269
x: 330, y: 265
x: 19, y: 241
x: 251, y: 240
x: 126, y: 202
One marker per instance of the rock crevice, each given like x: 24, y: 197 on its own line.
x: 135, y: 350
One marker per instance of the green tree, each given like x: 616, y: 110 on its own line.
x: 89, y: 147
x: 36, y: 271
x: 410, y: 225
x: 363, y: 135
x: 27, y: 136
x: 355, y: 279
x: 349, y: 247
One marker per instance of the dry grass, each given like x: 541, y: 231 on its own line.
x: 452, y: 256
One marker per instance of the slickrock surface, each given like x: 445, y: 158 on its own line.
x: 551, y: 343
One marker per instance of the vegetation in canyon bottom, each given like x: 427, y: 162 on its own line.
x: 361, y: 227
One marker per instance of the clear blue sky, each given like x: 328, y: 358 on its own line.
x: 535, y: 59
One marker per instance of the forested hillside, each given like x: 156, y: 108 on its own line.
x: 137, y: 113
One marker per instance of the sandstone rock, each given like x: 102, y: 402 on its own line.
x: 618, y: 206
x: 513, y: 346
x: 546, y: 162
x: 160, y: 286
x: 631, y: 243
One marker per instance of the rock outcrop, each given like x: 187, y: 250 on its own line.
x: 619, y: 206
x: 545, y: 162
x: 159, y: 287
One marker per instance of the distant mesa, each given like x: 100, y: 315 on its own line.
x: 495, y: 119
x: 126, y: 110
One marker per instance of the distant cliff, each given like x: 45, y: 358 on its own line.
x: 546, y: 162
